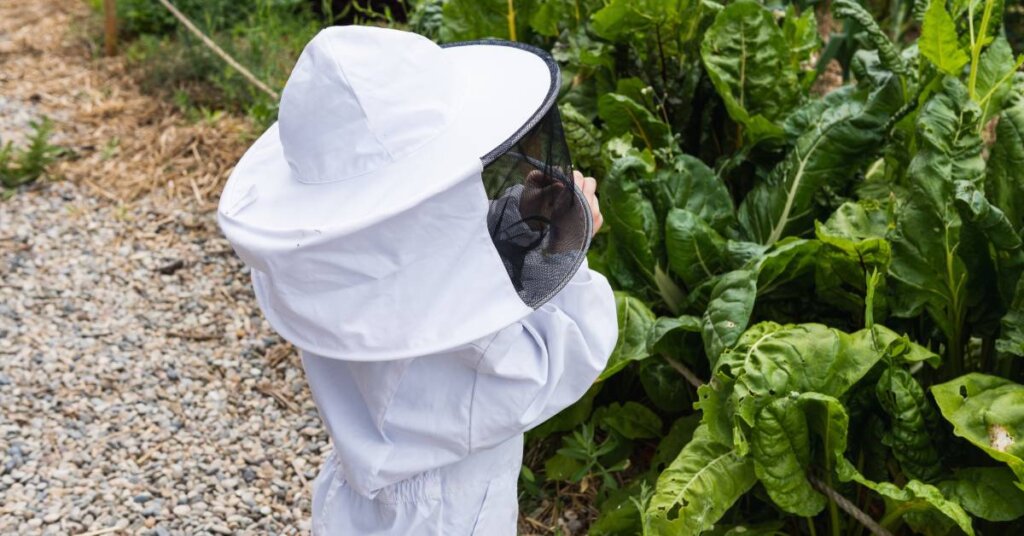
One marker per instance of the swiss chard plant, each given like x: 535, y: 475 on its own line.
x: 814, y: 225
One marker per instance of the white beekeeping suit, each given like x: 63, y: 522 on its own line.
x: 412, y: 227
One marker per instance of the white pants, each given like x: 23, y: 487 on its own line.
x: 476, y: 496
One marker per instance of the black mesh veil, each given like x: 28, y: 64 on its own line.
x: 539, y: 221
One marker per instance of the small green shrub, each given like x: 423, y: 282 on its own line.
x: 266, y: 36
x: 22, y: 165
x: 148, y: 17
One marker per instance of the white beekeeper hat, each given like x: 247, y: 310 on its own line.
x: 411, y: 198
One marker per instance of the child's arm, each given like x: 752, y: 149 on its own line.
x: 543, y: 364
x: 440, y: 409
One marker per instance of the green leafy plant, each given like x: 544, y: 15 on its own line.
x: 818, y: 286
x: 582, y: 455
x: 22, y: 165
x: 266, y: 36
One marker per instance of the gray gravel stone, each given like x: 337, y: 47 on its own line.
x: 135, y: 399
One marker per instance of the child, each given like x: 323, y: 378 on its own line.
x: 414, y: 227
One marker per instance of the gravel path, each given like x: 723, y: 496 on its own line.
x: 141, y: 389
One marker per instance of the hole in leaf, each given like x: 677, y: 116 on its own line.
x: 963, y: 392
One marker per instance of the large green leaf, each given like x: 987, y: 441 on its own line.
x: 929, y: 273
x: 801, y: 32
x: 716, y: 407
x: 618, y: 515
x: 672, y: 295
x: 623, y: 147
x: 828, y: 418
x: 840, y: 140
x: 476, y: 19
x: 620, y: 20
x: 987, y: 492
x: 1005, y: 181
x: 664, y: 386
x: 561, y: 467
x: 696, y: 252
x: 583, y: 139
x: 939, y: 42
x: 910, y: 417
x: 748, y: 356
x: 748, y: 60
x: 781, y: 450
x: 977, y: 210
x: 857, y: 221
x: 780, y: 445
x: 728, y: 312
x: 922, y: 506
x: 853, y: 248
x: 772, y: 360
x: 687, y: 183
x: 731, y: 303
x: 679, y: 434
x: 802, y: 358
x: 551, y: 16
x: 802, y: 119
x: 988, y: 411
x: 667, y: 327
x: 742, y: 253
x: 635, y: 322
x: 632, y: 420
x: 995, y: 77
x: 1004, y: 188
x: 696, y: 489
x: 631, y: 217
x: 617, y: 263
x: 1011, y: 337
x: 899, y: 349
x: 789, y: 260
x: 887, y: 51
x: 622, y: 115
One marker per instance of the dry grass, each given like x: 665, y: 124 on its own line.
x: 125, y: 144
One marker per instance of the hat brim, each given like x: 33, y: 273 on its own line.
x: 505, y: 89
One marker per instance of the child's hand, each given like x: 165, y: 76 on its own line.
x: 542, y: 195
x: 588, y: 185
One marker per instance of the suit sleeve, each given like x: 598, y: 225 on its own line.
x: 544, y: 363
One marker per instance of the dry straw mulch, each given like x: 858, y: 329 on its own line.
x: 141, y: 391
x: 124, y: 144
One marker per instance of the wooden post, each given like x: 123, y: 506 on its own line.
x: 110, y: 27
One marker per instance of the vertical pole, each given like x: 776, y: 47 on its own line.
x: 511, y: 20
x: 110, y: 27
